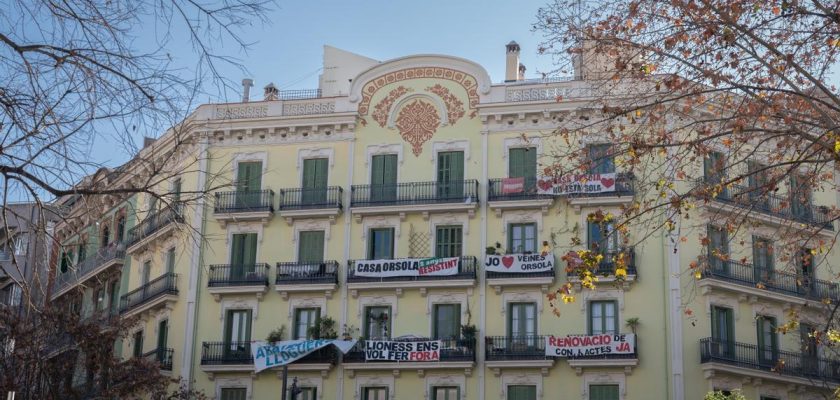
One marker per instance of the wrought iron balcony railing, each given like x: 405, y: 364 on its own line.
x: 771, y: 360
x: 238, y: 275
x: 164, y: 284
x: 758, y: 199
x: 307, y: 199
x: 507, y: 348
x: 466, y: 270
x: 162, y: 356
x: 239, y: 353
x: 607, y: 265
x: 307, y: 273
x: 153, y: 223
x: 104, y: 255
x: 454, y: 349
x: 414, y: 193
x: 496, y: 191
x: 783, y: 282
x: 243, y: 202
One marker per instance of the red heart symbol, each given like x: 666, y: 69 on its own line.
x: 607, y: 182
x: 507, y: 261
x: 545, y: 185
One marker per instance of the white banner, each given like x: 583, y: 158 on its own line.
x: 573, y: 184
x: 521, y: 263
x: 591, y: 345
x: 382, y: 350
x: 407, y: 267
x: 267, y: 355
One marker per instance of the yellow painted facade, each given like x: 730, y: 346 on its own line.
x: 417, y: 109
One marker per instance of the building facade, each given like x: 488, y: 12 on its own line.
x: 25, y: 246
x: 424, y: 157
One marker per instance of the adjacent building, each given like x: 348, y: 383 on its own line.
x: 425, y: 157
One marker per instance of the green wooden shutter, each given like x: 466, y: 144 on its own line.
x: 249, y: 176
x: 170, y: 260
x: 249, y: 258
x: 315, y: 174
x: 237, y: 251
x: 176, y: 190
x: 448, y: 241
x: 311, y: 247
x: 603, y: 392
x: 450, y: 174
x: 233, y: 393
x: 163, y: 332
x: 521, y: 392
x: 383, y: 177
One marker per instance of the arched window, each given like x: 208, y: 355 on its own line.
x: 120, y: 228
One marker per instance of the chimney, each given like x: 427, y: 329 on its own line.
x: 521, y: 75
x: 270, y: 92
x: 246, y: 89
x: 512, y: 62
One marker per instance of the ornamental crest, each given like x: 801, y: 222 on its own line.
x: 417, y: 122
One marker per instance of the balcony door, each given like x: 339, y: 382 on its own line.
x: 800, y: 198
x: 375, y: 393
x: 237, y: 334
x: 248, y: 184
x: 723, y: 332
x: 243, y: 255
x: 603, y: 317
x: 450, y: 174
x: 311, y: 247
x: 718, y: 250
x: 377, y: 322
x: 810, y: 352
x: 447, y: 321
x: 768, y: 342
x: 314, y: 185
x: 762, y: 260
x: 381, y: 244
x: 383, y: 178
x: 602, y: 238
x: 305, y: 319
x: 603, y: 392
x: 448, y: 241
x: 522, y: 325
x: 522, y: 163
x: 601, y: 159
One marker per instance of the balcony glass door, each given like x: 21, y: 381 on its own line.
x: 237, y: 333
x: 723, y: 332
x: 768, y: 344
x: 447, y: 321
x: 243, y: 255
x: 522, y: 325
x: 314, y: 183
x: 383, y: 178
x: 522, y: 238
x: 450, y: 174
x: 311, y: 252
x: 248, y: 184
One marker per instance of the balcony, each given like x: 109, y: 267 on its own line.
x: 464, y: 278
x: 311, y: 203
x: 296, y: 277
x: 455, y: 353
x: 103, y: 260
x: 238, y: 279
x: 767, y: 363
x: 625, y: 361
x: 516, y: 352
x: 766, y: 284
x: 160, y: 292
x: 163, y: 357
x: 625, y: 190
x: 506, y: 194
x: 236, y: 357
x: 769, y: 207
x: 241, y: 206
x: 424, y: 197
x: 156, y: 226
x: 500, y: 280
x: 606, y: 269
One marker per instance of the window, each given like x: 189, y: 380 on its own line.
x: 163, y: 335
x: 306, y: 393
x: 21, y: 244
x: 138, y: 344
x: 170, y: 260
x: 115, y: 296
x: 522, y: 320
x: 311, y: 247
x: 82, y: 250
x: 768, y: 345
x: 723, y: 331
x: 601, y: 159
x: 305, y: 318
x: 377, y: 322
x: 446, y: 323
x: 808, y: 343
x: 800, y: 197
x: 448, y: 241
x: 99, y: 299
x: 145, y: 273
x: 758, y: 185
x: 521, y: 392
x: 233, y: 393
x: 381, y: 244
x: 314, y: 183
x: 176, y: 190
x: 602, y: 238
x: 153, y: 206
x: 450, y: 174
x: 383, y: 178
x: 805, y: 270
x: 105, y: 237
x: 65, y: 261
x: 713, y: 167
x: 718, y: 249
x: 248, y: 184
x: 762, y: 253
x: 446, y: 393
x: 120, y: 229
x: 243, y: 255
x: 603, y: 317
x: 603, y: 392
x: 237, y: 327
x: 522, y: 163
x: 769, y: 398
x: 522, y: 238
x: 375, y: 393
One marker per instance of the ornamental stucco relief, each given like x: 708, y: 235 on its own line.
x: 417, y: 123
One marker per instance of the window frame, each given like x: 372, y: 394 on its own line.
x: 372, y: 239
x: 367, y: 322
x: 523, y: 226
x: 449, y: 241
x: 310, y: 322
x: 604, y: 317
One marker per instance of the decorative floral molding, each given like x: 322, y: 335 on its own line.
x: 417, y: 123
x: 467, y: 81
x: 382, y: 109
x: 454, y: 107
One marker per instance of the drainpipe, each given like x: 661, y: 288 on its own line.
x: 194, y: 276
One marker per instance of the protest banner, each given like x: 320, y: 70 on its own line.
x: 382, y: 350
x: 519, y: 263
x: 590, y: 345
x: 268, y: 355
x: 407, y: 267
x: 573, y: 184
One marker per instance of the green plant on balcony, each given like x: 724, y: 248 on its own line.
x: 277, y: 335
x: 348, y: 331
x: 324, y: 328
x: 632, y: 323
x: 719, y: 395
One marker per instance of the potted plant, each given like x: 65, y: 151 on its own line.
x: 468, y: 334
x: 277, y: 335
x: 632, y: 323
